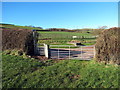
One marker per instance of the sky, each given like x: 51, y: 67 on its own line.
x: 70, y: 15
x: 60, y: 0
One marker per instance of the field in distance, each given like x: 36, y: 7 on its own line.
x: 61, y: 37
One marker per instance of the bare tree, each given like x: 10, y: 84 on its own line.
x: 96, y: 32
x: 102, y: 27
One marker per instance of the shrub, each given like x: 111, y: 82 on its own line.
x: 108, y: 46
x: 20, y: 39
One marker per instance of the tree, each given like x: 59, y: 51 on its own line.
x: 96, y: 32
x: 102, y: 27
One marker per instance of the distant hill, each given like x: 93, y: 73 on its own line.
x: 12, y: 26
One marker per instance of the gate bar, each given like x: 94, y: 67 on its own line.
x: 69, y: 52
x: 58, y: 52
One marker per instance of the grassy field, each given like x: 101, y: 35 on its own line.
x: 17, y: 26
x: 19, y: 72
x: 56, y: 37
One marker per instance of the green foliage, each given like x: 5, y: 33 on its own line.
x: 31, y: 73
x: 15, y: 52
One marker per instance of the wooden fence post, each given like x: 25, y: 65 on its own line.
x: 34, y: 41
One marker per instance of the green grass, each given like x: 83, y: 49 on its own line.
x: 62, y: 44
x: 17, y: 26
x: 64, y: 37
x: 87, y: 44
x: 19, y: 72
x: 63, y: 47
x: 56, y: 37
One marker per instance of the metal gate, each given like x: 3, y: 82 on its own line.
x: 72, y: 52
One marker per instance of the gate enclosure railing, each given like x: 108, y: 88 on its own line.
x: 72, y: 52
x: 66, y: 51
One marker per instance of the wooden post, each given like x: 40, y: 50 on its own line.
x: 34, y: 41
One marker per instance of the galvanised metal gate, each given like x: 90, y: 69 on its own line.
x: 72, y: 52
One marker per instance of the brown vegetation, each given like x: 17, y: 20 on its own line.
x: 108, y: 46
x: 20, y: 39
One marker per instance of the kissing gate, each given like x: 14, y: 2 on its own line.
x: 64, y: 51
